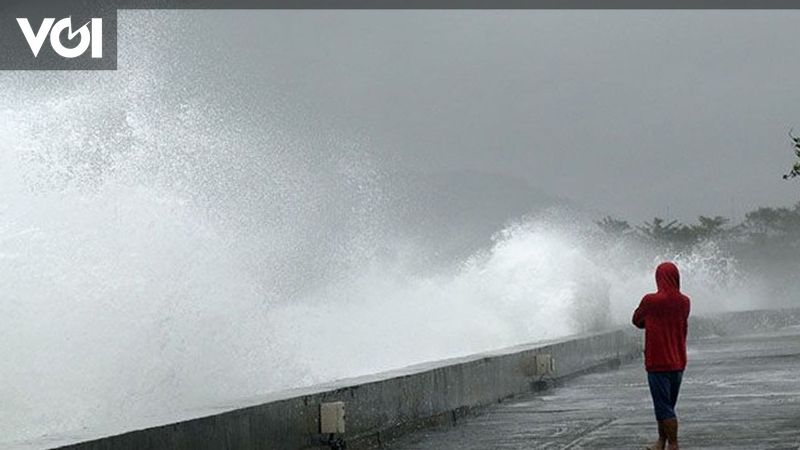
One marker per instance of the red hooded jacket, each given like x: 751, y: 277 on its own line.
x: 664, y: 316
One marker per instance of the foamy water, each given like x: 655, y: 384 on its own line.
x: 157, y: 255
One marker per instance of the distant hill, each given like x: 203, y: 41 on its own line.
x: 455, y: 213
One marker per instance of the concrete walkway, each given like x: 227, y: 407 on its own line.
x: 737, y: 393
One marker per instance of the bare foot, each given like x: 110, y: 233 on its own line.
x: 672, y: 446
x: 659, y: 445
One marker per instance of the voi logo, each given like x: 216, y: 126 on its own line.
x: 88, y: 37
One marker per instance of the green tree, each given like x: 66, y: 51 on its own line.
x: 613, y: 226
x: 708, y: 227
x: 662, y: 231
x: 676, y: 233
x: 764, y: 220
x: 773, y: 221
x: 796, y: 167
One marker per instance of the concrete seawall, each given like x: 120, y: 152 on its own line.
x: 742, y: 322
x: 382, y: 406
x: 385, y: 405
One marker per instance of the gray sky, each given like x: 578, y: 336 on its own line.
x: 639, y: 113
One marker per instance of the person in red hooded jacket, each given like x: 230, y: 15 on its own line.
x: 664, y: 316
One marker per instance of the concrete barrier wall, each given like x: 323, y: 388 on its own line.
x: 742, y: 322
x: 382, y: 406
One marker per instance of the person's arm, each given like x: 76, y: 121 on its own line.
x: 639, y: 315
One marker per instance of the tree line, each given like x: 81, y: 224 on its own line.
x: 771, y: 228
x: 759, y: 225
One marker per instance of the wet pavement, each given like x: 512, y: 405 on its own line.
x: 737, y: 393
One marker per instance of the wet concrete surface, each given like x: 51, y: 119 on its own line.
x: 737, y: 393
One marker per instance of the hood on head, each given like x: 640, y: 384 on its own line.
x: 667, y: 277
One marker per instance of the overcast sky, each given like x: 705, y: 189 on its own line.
x: 674, y: 113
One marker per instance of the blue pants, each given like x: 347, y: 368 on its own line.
x: 664, y: 387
